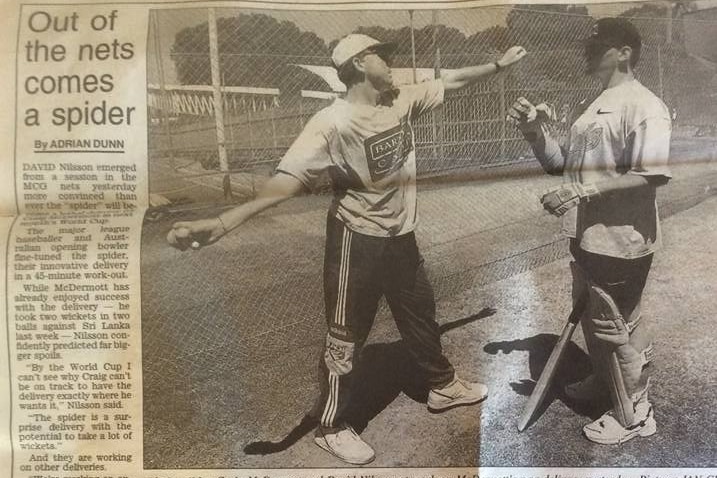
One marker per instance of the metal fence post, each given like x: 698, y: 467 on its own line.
x: 230, y: 120
x: 660, y: 73
x: 503, y: 112
x: 273, y: 129
x: 218, y: 103
x: 437, y: 116
x: 413, y: 47
x: 250, y: 132
x: 163, y: 95
x: 668, y: 15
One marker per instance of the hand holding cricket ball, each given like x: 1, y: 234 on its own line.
x: 195, y: 234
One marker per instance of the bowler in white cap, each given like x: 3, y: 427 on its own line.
x: 365, y: 143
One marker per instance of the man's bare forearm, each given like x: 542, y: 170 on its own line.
x: 547, y: 151
x: 186, y: 234
x: 462, y: 77
x: 558, y: 201
x: 277, y: 189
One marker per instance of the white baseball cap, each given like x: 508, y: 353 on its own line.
x: 353, y: 44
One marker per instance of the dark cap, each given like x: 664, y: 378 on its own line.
x: 615, y: 32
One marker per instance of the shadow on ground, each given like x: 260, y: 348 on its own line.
x: 384, y: 372
x: 574, y: 366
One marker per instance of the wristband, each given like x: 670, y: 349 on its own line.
x: 497, y: 66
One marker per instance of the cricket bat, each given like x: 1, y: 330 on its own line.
x: 546, y: 377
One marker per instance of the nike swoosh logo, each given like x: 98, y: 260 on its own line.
x: 601, y: 112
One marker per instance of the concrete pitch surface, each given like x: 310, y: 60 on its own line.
x: 501, y: 333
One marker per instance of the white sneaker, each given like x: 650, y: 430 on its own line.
x: 346, y: 445
x: 455, y: 394
x: 606, y: 430
x: 587, y: 389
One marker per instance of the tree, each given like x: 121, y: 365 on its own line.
x: 448, y: 39
x: 255, y: 50
x: 651, y: 21
x: 552, y: 35
x: 493, y: 39
x: 539, y: 27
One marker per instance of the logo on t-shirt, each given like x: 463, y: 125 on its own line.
x: 586, y: 140
x: 387, y: 151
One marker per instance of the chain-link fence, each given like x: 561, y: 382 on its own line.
x: 272, y: 72
x: 265, y: 294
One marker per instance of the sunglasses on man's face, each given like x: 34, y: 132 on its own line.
x: 382, y: 54
x: 596, y: 49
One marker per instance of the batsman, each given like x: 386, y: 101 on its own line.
x: 615, y: 157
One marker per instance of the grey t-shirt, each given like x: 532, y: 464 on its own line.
x: 369, y: 152
x: 625, y: 130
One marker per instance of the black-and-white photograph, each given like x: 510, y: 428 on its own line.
x: 431, y: 238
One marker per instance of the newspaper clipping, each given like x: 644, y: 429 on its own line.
x: 340, y: 239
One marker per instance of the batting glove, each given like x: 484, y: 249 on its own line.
x: 530, y: 119
x: 559, y: 200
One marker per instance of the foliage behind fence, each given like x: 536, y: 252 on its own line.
x: 267, y: 98
x: 251, y: 302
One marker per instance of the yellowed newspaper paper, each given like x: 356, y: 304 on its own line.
x: 326, y: 240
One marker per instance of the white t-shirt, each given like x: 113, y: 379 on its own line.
x: 625, y: 130
x: 369, y: 152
